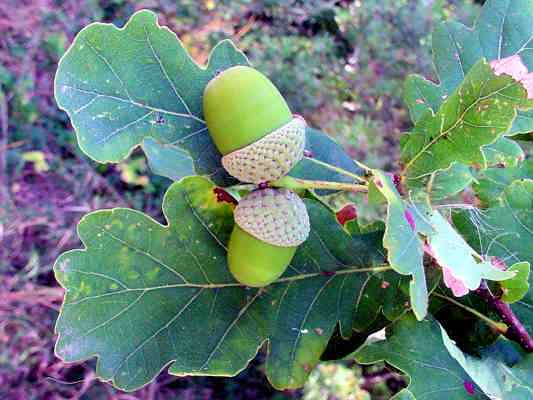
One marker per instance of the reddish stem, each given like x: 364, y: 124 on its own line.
x: 516, y: 330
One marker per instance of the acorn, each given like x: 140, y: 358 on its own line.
x: 252, y: 125
x: 270, y: 224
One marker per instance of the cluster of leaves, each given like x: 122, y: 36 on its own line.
x: 142, y: 296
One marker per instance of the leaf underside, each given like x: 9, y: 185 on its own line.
x: 121, y: 87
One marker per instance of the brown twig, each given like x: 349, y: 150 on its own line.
x: 515, y: 331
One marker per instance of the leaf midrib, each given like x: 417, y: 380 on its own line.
x: 457, y: 122
x: 133, y: 102
x: 292, y: 278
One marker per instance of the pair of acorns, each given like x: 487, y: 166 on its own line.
x: 260, y: 140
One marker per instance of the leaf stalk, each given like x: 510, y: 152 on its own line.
x: 295, y: 183
x: 499, y: 327
x: 339, y: 170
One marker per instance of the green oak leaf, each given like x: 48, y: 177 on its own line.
x: 504, y: 231
x: 142, y: 296
x: 121, y: 87
x: 519, y: 194
x: 138, y: 87
x: 503, y: 152
x: 476, y: 114
x: 455, y: 51
x: 497, y: 379
x: 450, y: 181
x: 516, y: 288
x: 502, y: 30
x: 417, y: 349
x: 492, y: 183
x: 421, y: 96
x: 403, y: 242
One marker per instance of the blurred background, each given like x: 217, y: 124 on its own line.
x: 340, y: 64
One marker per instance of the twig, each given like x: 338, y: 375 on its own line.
x: 497, y: 326
x: 295, y: 183
x: 336, y: 169
x: 515, y: 330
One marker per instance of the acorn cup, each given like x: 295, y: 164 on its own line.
x: 252, y: 125
x: 270, y: 224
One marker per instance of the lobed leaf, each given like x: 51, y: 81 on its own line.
x: 492, y: 183
x: 516, y: 288
x: 417, y: 349
x: 422, y: 96
x: 494, y: 376
x: 121, y: 87
x: 142, y: 296
x: 502, y: 30
x: 476, y: 114
x: 138, y: 87
x: 450, y: 181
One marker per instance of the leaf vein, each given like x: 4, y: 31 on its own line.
x: 165, y: 73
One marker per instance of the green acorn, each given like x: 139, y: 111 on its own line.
x: 252, y: 125
x: 270, y: 224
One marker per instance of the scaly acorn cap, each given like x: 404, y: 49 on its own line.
x: 275, y: 216
x: 252, y: 125
x: 271, y: 157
